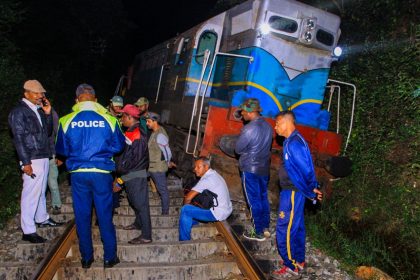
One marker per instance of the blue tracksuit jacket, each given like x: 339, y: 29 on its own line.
x: 290, y: 224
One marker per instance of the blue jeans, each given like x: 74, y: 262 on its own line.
x: 160, y: 180
x: 255, y: 189
x: 190, y: 216
x: 88, y: 188
x: 53, y: 184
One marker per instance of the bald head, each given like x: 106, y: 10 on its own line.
x: 285, y: 123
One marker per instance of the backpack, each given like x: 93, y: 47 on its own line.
x: 205, y: 200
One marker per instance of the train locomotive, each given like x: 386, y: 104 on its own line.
x: 278, y: 51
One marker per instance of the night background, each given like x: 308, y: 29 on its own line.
x: 373, y: 217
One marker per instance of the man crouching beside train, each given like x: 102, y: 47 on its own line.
x: 192, y: 215
x: 298, y: 182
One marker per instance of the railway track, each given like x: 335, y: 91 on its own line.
x: 215, y: 251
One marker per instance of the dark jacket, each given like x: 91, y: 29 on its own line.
x: 254, y: 147
x: 135, y: 156
x: 29, y: 137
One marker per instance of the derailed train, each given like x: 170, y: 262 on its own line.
x: 279, y: 51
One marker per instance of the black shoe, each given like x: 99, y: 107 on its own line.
x: 111, y: 263
x: 33, y: 238
x: 140, y: 240
x: 86, y: 264
x: 50, y: 223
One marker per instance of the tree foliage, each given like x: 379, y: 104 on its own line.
x: 11, y: 75
x: 61, y: 44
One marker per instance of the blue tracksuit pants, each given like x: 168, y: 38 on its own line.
x: 88, y: 188
x: 290, y: 230
x: 255, y: 189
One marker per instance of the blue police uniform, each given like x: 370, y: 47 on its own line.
x: 290, y: 225
x: 89, y: 137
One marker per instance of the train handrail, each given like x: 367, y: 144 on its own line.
x: 49, y: 265
x: 245, y: 262
x: 332, y: 89
x: 160, y: 80
x: 197, y: 94
x: 251, y: 59
x: 119, y: 87
x: 352, y: 109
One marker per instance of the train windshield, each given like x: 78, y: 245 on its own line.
x: 283, y: 24
x: 207, y: 41
x: 324, y: 37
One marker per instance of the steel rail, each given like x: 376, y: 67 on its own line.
x: 245, y: 262
x: 50, y: 264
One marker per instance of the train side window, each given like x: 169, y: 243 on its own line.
x: 324, y: 37
x: 283, y: 24
x: 208, y: 40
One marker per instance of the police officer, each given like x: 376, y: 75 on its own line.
x: 89, y: 137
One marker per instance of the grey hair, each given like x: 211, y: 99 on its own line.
x: 205, y: 160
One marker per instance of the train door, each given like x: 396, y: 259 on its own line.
x: 206, y: 44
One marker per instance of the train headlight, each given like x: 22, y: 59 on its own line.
x: 338, y: 51
x: 310, y: 24
x: 265, y: 28
x: 308, y: 36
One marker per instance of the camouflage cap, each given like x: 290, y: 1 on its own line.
x: 141, y: 101
x: 153, y: 116
x: 251, y: 105
x: 117, y: 101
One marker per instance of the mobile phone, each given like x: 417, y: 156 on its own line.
x: 44, y: 102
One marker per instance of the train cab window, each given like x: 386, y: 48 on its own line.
x: 207, y: 41
x: 324, y: 37
x: 283, y: 24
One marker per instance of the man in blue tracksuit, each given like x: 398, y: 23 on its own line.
x: 254, y: 148
x: 298, y: 182
x: 89, y: 137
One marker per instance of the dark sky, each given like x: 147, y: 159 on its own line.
x: 160, y: 20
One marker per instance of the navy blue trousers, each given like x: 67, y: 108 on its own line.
x: 290, y: 230
x: 255, y: 189
x: 88, y: 188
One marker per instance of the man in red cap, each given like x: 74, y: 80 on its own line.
x: 31, y: 124
x: 132, y: 167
